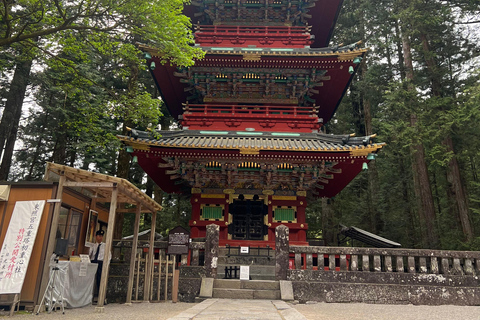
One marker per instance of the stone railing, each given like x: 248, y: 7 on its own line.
x: 386, y: 260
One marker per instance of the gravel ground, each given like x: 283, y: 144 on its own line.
x: 113, y: 311
x: 362, y: 311
x: 312, y: 311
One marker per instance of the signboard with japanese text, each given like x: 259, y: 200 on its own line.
x: 178, y: 240
x: 18, y: 244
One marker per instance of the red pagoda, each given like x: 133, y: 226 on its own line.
x: 250, y: 149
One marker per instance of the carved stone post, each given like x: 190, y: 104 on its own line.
x: 282, y: 249
x: 211, y: 250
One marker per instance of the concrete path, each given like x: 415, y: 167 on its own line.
x: 228, y: 309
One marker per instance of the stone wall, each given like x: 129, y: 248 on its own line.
x: 392, y: 288
x: 389, y: 276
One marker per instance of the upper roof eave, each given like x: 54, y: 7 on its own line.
x: 246, y: 141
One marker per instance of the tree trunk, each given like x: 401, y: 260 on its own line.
x: 39, y: 145
x: 123, y: 163
x: 419, y: 166
x: 60, y: 149
x: 12, y: 113
x: 458, y: 192
x: 9, y: 147
x: 457, y: 189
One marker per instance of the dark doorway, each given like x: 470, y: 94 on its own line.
x: 248, y: 219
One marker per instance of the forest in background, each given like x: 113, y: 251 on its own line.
x: 72, y: 78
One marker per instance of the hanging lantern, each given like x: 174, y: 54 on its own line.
x: 364, y: 166
x: 357, y: 60
x: 129, y: 149
x: 350, y: 69
x: 135, y: 159
x: 371, y: 156
x: 147, y: 55
x: 152, y: 66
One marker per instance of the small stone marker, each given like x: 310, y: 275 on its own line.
x: 286, y: 290
x: 206, y: 290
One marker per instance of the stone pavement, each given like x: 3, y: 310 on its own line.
x: 228, y: 309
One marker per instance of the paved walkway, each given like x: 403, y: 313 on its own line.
x: 227, y: 309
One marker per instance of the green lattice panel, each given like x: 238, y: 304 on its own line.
x: 284, y: 214
x: 212, y: 213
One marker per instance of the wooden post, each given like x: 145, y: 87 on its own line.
x: 175, y: 276
x: 166, y: 277
x: 51, y: 240
x: 139, y: 260
x: 149, y: 262
x: 159, y: 274
x: 146, y: 273
x: 15, y: 301
x: 133, y: 255
x: 108, y: 249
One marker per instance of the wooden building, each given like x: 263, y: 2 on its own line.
x: 250, y: 148
x: 70, y: 194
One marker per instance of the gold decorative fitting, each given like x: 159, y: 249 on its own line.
x: 301, y: 226
x: 249, y: 151
x: 301, y: 203
x: 196, y: 190
x: 269, y: 202
x: 213, y: 196
x: 196, y: 200
x: 251, y: 57
x: 302, y: 193
x: 226, y: 223
x: 268, y: 192
x: 229, y: 191
x: 195, y: 222
x: 291, y: 198
x: 269, y: 224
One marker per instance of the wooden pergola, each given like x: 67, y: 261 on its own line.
x: 106, y: 189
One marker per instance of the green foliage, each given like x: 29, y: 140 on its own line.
x: 443, y: 101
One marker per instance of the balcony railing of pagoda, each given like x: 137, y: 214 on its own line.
x: 385, y: 260
x: 250, y: 111
x: 245, y: 35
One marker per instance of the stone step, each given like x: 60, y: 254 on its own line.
x: 244, y: 284
x: 246, y: 294
x: 246, y: 260
x: 257, y: 272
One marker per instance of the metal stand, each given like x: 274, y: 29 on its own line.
x: 55, y: 300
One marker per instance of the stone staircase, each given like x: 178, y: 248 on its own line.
x: 246, y: 289
x: 262, y: 266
